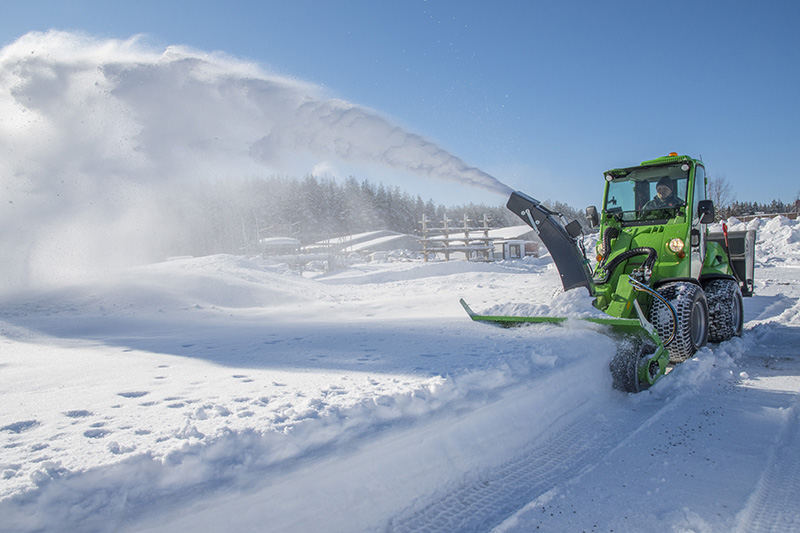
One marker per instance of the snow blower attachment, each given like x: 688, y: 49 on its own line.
x: 667, y: 284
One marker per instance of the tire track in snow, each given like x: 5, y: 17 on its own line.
x: 565, y: 454
x: 773, y: 505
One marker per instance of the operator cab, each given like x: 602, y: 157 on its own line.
x: 646, y: 195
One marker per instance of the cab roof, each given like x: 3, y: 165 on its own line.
x: 665, y: 160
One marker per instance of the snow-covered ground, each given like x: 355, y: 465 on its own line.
x: 230, y: 394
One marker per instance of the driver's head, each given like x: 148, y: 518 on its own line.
x: 664, y: 187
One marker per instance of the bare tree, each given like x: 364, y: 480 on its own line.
x: 721, y: 193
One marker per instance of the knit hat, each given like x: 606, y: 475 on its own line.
x: 666, y: 181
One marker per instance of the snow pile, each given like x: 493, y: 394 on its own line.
x: 777, y: 238
x: 575, y: 303
x: 734, y: 224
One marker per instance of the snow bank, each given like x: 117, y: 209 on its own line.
x: 777, y: 238
x: 779, y: 241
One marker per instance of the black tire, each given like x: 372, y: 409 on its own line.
x: 691, y: 332
x: 725, y: 309
x: 625, y: 365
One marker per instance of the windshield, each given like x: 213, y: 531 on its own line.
x: 654, y: 192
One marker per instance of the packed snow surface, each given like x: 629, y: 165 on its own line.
x: 226, y: 393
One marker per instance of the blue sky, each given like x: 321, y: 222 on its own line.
x: 542, y: 95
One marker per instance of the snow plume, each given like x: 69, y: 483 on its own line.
x: 353, y: 133
x: 102, y: 138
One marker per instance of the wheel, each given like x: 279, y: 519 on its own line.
x: 725, y: 309
x: 691, y: 331
x: 625, y: 365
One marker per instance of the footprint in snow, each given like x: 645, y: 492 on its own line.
x: 95, y: 433
x: 133, y: 394
x: 9, y: 471
x: 19, y: 427
x: 79, y: 413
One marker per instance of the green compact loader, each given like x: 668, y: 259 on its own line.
x: 667, y: 284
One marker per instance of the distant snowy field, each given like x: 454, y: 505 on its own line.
x: 226, y: 393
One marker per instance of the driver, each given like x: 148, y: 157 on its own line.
x: 665, y: 195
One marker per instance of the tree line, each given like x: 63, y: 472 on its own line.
x: 233, y: 216
x: 742, y: 209
x: 726, y: 205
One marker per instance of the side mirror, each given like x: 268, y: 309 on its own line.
x: 592, y: 217
x: 705, y: 210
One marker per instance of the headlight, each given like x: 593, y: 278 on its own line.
x: 600, y: 249
x: 676, y: 245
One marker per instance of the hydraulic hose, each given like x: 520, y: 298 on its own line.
x: 652, y: 255
x: 610, y: 233
x: 639, y: 286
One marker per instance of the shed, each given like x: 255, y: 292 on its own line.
x: 279, y: 245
